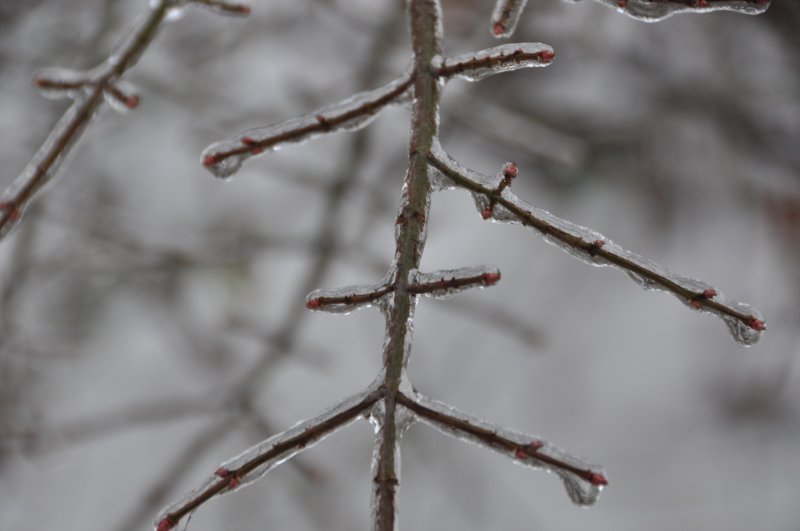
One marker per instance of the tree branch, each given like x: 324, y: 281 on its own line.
x: 88, y: 97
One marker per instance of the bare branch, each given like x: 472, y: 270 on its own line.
x: 504, y: 58
x: 654, y: 10
x: 744, y: 322
x: 260, y: 459
x: 582, y: 480
x: 223, y: 159
x: 88, y: 97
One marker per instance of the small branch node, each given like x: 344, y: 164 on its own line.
x: 252, y: 143
x: 11, y: 210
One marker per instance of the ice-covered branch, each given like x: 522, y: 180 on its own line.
x: 498, y: 202
x: 223, y: 7
x: 485, y: 63
x: 345, y: 300
x: 582, y: 480
x: 447, y: 282
x: 654, y: 10
x: 439, y: 284
x: 506, y: 16
x: 223, y: 159
x: 257, y: 461
x: 507, y: 12
x: 88, y: 92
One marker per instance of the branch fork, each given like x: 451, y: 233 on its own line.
x: 391, y: 403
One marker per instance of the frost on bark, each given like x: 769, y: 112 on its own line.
x: 391, y: 403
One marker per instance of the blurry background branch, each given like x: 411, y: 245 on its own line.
x: 665, y: 124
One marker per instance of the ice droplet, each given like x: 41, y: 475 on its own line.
x: 504, y: 58
x: 223, y: 159
x: 576, y: 473
x: 652, y: 11
x: 506, y: 17
x: 745, y: 323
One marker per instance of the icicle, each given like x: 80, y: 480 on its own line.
x: 652, y: 11
x: 504, y: 58
x: 445, y: 283
x: 223, y: 159
x: 506, y: 16
x: 745, y: 323
x: 582, y: 480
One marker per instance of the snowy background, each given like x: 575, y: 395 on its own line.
x: 152, y: 319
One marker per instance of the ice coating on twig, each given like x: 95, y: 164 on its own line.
x: 745, y: 323
x: 506, y: 16
x: 445, y: 283
x: 88, y: 90
x: 655, y: 10
x: 386, y: 487
x: 490, y: 61
x: 255, y: 462
x: 223, y: 7
x: 223, y: 159
x: 582, y: 480
x: 348, y: 299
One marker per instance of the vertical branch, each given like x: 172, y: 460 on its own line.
x: 425, y: 23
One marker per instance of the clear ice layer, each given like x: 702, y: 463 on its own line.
x: 655, y: 10
x: 575, y: 472
x: 224, y: 159
x: 490, y: 61
x: 506, y: 17
x: 745, y: 323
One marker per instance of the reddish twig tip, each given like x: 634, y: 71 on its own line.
x: 313, y: 304
x: 756, y: 324
x: 132, y: 102
x: 498, y: 29
x: 510, y: 170
x: 598, y: 479
x: 165, y: 524
x: 492, y: 278
x: 547, y: 56
x: 210, y: 160
x: 486, y: 213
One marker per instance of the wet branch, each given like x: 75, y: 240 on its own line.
x: 597, y: 248
x: 88, y: 99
